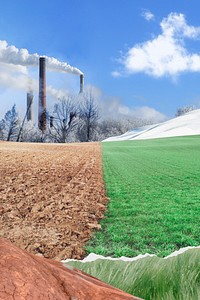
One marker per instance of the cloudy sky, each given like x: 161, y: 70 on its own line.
x: 139, y: 57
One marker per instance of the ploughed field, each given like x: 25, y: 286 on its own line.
x: 51, y: 196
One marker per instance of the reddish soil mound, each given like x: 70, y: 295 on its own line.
x: 25, y: 276
x: 51, y: 196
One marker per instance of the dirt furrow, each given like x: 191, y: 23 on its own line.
x: 51, y: 196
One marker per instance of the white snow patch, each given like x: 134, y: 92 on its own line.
x: 180, y: 251
x: 188, y: 124
x: 92, y: 256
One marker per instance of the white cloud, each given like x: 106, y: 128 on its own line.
x: 148, y: 113
x: 175, y: 25
x: 112, y: 108
x: 166, y: 54
x: 116, y: 74
x: 148, y: 15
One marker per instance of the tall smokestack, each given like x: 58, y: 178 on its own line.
x: 81, y: 83
x: 42, y: 95
x: 30, y: 106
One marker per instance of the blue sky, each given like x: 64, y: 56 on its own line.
x: 138, y: 57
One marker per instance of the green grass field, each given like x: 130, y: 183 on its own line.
x: 151, y: 278
x: 154, y: 191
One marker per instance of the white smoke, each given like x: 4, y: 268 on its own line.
x: 20, y: 82
x: 21, y: 57
x: 14, y: 72
x: 57, y: 94
x: 56, y: 65
x: 25, y: 83
x: 13, y: 69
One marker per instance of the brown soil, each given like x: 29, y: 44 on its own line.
x: 51, y: 196
x: 25, y: 276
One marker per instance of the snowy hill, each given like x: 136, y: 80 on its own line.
x: 188, y: 124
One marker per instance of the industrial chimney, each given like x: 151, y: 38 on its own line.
x: 42, y: 95
x: 30, y: 106
x: 81, y: 83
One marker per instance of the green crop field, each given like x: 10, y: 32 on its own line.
x: 154, y: 191
x: 151, y: 278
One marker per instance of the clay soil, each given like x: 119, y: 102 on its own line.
x: 51, y: 196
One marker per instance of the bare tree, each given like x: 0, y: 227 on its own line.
x: 24, y: 120
x: 111, y: 127
x: 89, y: 115
x: 2, y: 127
x: 30, y: 133
x: 64, y: 120
x: 11, y: 124
x: 183, y: 110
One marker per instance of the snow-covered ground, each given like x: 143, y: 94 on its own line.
x: 188, y: 124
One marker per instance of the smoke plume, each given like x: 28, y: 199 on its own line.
x: 13, y: 55
x: 16, y: 79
